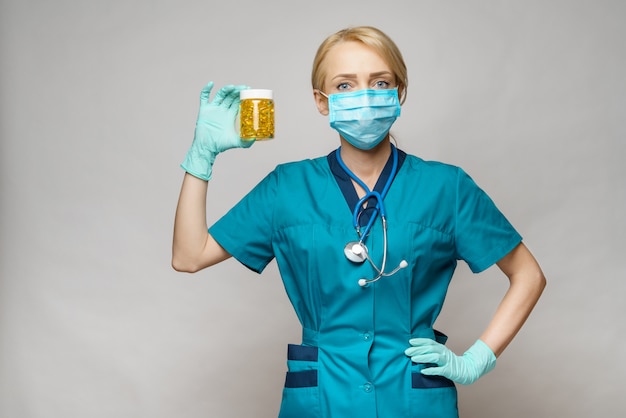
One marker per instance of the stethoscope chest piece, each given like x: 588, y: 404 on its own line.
x: 355, y: 251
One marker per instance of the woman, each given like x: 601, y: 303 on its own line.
x: 366, y: 240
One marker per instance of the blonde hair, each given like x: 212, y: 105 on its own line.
x: 372, y: 37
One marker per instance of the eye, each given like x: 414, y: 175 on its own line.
x: 343, y: 86
x: 382, y: 84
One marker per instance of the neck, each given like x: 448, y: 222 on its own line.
x: 366, y: 164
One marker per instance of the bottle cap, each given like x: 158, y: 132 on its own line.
x: 256, y: 94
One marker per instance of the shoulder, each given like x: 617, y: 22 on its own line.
x: 298, y: 171
x: 438, y: 178
x: 291, y: 177
x: 433, y: 171
x: 301, y: 166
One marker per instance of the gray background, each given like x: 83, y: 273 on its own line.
x: 98, y: 104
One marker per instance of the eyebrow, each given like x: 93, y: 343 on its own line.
x: 376, y: 74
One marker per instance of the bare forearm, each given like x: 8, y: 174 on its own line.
x: 512, y: 313
x: 190, y: 227
x: 526, y: 285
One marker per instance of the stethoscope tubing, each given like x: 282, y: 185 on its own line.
x: 379, y: 208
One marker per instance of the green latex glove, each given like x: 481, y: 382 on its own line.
x: 215, y: 130
x: 466, y: 369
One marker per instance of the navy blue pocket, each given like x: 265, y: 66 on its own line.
x: 440, y: 337
x: 301, y: 395
x: 302, y: 366
x: 303, y: 379
x: 421, y: 381
x: 301, y: 352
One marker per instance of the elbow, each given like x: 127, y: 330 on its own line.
x: 537, y: 281
x: 183, y: 265
x: 542, y: 282
x: 532, y: 282
x: 539, y: 278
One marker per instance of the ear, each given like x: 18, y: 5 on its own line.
x: 321, y: 102
x: 402, y: 93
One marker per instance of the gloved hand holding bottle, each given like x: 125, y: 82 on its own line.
x: 215, y: 130
x: 477, y: 361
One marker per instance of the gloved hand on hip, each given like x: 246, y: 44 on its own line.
x: 215, y: 130
x: 466, y: 369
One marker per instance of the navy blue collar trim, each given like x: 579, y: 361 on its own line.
x: 345, y: 183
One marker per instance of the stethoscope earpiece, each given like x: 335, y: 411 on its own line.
x: 365, y: 282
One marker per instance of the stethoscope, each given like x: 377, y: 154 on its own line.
x: 356, y: 251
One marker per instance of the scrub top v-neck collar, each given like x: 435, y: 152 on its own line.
x: 345, y: 182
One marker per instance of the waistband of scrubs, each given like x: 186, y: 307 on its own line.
x: 311, y: 337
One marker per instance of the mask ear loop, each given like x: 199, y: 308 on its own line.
x: 322, y: 93
x: 320, y: 103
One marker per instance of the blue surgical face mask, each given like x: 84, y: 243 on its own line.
x: 363, y: 117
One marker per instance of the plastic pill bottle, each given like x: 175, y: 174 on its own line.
x: 256, y: 114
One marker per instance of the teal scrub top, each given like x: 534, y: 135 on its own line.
x: 351, y: 360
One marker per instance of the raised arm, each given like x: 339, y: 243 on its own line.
x: 193, y: 247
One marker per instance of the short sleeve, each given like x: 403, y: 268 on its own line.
x: 246, y: 230
x: 483, y: 235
